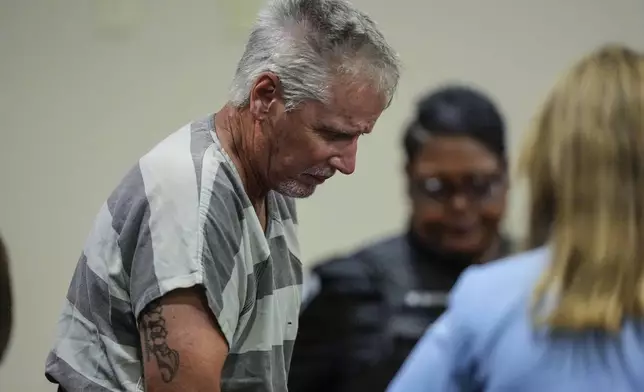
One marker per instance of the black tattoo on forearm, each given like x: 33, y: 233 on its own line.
x: 156, y: 344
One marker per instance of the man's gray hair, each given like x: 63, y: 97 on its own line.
x: 305, y: 43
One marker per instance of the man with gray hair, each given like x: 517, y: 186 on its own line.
x: 190, y: 279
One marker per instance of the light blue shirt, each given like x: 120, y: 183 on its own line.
x: 486, y: 342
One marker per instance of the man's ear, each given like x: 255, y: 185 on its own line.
x: 265, y: 95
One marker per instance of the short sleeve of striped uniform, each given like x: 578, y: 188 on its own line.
x: 191, y: 229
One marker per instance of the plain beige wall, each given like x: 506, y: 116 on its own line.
x: 86, y: 87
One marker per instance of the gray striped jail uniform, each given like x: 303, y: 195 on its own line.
x: 181, y: 218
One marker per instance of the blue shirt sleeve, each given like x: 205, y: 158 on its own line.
x: 442, y: 361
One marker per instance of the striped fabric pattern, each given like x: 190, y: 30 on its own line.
x: 181, y: 218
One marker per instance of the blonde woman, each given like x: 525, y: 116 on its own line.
x: 568, y: 315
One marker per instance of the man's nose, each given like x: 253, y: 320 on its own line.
x: 345, y: 162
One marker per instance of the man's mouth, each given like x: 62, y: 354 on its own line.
x: 317, y: 180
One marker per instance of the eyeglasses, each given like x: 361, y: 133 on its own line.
x: 477, y: 188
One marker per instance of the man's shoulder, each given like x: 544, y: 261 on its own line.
x: 188, y: 167
x: 360, y: 268
x: 192, y: 155
x: 358, y: 262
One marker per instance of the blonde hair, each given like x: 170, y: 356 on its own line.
x: 584, y: 165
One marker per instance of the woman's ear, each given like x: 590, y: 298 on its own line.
x: 408, y: 168
x: 408, y: 177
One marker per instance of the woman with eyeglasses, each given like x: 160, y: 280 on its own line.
x: 372, y: 306
x: 568, y: 315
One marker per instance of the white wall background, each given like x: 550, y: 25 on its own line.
x: 86, y: 86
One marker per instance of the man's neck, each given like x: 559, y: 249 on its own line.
x: 235, y: 129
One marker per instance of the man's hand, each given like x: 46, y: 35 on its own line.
x: 183, y: 348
